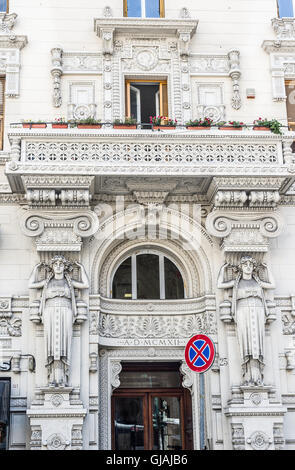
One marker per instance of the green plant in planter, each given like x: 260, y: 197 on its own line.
x: 273, y: 124
x: 129, y: 121
x: 221, y: 123
x: 89, y: 121
x: 207, y: 122
x: 163, y: 121
x: 236, y: 124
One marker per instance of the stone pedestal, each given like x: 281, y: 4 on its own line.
x: 256, y: 418
x: 56, y: 419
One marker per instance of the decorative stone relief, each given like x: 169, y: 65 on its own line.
x: 278, y: 436
x: 259, y: 441
x: 238, y: 436
x: 59, y: 231
x: 93, y: 362
x: 242, y: 232
x: 10, y: 325
x: 284, y: 28
x: 124, y: 326
x: 36, y: 438
x: 116, y: 368
x: 10, y: 65
x: 290, y: 360
x: 56, y: 442
x: 122, y: 153
x: 282, y: 56
x: 249, y: 311
x: 187, y: 376
x: 107, y: 12
x: 77, y: 438
x: 82, y: 63
x: 7, y: 22
x: 287, y: 308
x: 56, y: 73
x: 235, y: 75
x: 58, y: 309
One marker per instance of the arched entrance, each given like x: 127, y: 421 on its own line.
x: 148, y: 334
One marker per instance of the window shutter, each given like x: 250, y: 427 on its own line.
x: 162, y: 8
x: 125, y: 8
x: 285, y: 8
x: 290, y: 102
x: 2, y: 91
x: 163, y: 100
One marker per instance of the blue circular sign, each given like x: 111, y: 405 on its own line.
x: 200, y: 353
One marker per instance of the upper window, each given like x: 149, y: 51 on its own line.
x: 286, y: 8
x: 147, y: 276
x: 4, y: 5
x: 145, y: 98
x: 144, y: 8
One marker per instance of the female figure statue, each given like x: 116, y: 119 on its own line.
x: 249, y: 311
x: 58, y: 312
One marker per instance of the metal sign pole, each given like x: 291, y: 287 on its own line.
x: 202, y: 411
x: 199, y: 356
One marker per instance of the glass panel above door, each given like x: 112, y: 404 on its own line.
x: 150, y: 379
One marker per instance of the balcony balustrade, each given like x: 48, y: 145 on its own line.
x: 136, y: 152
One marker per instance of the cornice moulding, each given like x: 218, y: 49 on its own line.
x: 279, y: 45
x: 146, y: 25
x: 17, y: 42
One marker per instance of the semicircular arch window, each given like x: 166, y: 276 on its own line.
x: 147, y: 276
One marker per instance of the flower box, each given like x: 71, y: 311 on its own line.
x: 28, y: 125
x: 230, y: 128
x: 125, y: 126
x: 164, y: 127
x: 261, y: 128
x: 198, y: 128
x: 59, y: 126
x: 89, y: 126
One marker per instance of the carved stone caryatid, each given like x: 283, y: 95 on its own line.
x: 58, y: 311
x: 249, y: 311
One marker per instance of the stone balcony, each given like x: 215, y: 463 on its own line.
x: 179, y: 154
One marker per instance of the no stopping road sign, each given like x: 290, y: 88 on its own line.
x: 200, y: 353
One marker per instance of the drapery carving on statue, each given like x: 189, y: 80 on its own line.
x: 249, y: 310
x: 58, y: 311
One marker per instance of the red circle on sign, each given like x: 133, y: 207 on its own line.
x: 207, y: 360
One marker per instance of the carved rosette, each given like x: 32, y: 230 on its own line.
x: 259, y: 441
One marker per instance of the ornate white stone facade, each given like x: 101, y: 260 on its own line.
x: 201, y: 198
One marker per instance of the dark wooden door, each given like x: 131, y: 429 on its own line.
x: 151, y: 419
